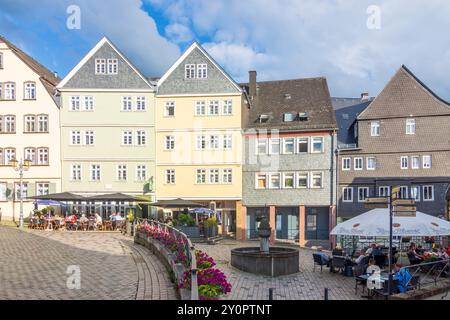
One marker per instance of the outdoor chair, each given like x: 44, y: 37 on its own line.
x: 337, y: 252
x: 338, y: 263
x: 118, y: 225
x: 318, y: 261
x: 91, y: 225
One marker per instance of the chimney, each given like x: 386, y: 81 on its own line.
x: 364, y: 96
x: 252, y: 84
x: 55, y: 73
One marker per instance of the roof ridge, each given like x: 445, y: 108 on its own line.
x: 54, y: 79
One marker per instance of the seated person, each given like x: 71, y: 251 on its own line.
x: 98, y: 220
x: 376, y: 251
x: 361, y: 257
x: 323, y: 255
x: 419, y: 250
x: 372, y: 268
x: 372, y: 247
x: 83, y: 218
x: 413, y: 257
x: 403, y: 276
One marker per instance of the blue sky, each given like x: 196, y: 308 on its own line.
x: 280, y: 39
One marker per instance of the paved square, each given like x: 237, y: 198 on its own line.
x: 305, y: 285
x: 33, y: 265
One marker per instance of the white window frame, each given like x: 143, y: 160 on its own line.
x: 141, y: 138
x: 170, y: 178
x: 312, y: 174
x: 227, y: 142
x: 366, y: 189
x: 9, y: 91
x: 127, y: 138
x: 29, y: 90
x: 349, y: 197
x: 386, y: 192
x: 214, y: 173
x: 141, y: 172
x: 279, y: 180
x: 322, y: 142
x: 227, y: 108
x: 43, y: 156
x: 127, y: 104
x: 200, y: 176
x: 75, y: 138
x: 375, y: 129
x: 427, y: 164
x: 202, y: 71
x: 100, y: 66
x: 355, y: 161
x: 214, y: 142
x: 303, y: 140
x: 141, y: 104
x: 200, y: 108
x: 169, y: 106
x: 75, y: 103
x: 274, y: 142
x: 76, y: 172
x: 260, y: 175
x: 88, y: 103
x: 89, y: 138
x: 227, y: 176
x: 213, y: 108
x: 285, y: 143
x: 345, y: 161
x: 95, y: 173
x: 42, y: 188
x: 189, y: 71
x: 404, y: 162
x: 285, y: 176
x: 367, y: 163
x: 410, y: 126
x: 404, y: 192
x: 30, y: 154
x: 262, y: 141
x: 30, y: 123
x: 432, y: 193
x: 113, y: 66
x: 201, y: 142
x: 122, y: 172
x: 169, y: 143
x: 297, y: 179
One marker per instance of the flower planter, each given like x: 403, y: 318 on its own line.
x: 211, y: 232
x: 191, y: 232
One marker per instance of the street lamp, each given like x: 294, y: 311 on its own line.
x: 20, y: 167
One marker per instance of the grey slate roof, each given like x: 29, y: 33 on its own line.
x: 405, y: 95
x: 275, y: 98
x: 347, y: 110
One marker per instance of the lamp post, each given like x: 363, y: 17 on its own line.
x: 21, y: 166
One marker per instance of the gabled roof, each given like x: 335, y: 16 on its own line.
x: 47, y: 77
x: 194, y: 46
x: 275, y: 98
x: 347, y: 110
x: 86, y: 58
x: 405, y: 96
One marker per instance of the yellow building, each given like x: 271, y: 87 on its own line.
x: 199, y: 135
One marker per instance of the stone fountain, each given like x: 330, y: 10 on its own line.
x: 266, y: 260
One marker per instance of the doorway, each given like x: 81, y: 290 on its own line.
x: 287, y: 223
x: 317, y: 223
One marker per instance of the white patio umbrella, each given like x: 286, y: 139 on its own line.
x: 375, y: 223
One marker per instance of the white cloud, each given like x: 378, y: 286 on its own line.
x: 305, y: 38
x: 179, y: 33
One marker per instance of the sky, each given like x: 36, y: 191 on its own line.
x: 358, y: 45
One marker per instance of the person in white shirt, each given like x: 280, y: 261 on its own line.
x: 362, y: 255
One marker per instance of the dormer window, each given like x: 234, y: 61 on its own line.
x: 303, y: 116
x: 202, y: 71
x: 113, y: 66
x: 189, y: 71
x: 288, y: 117
x: 263, y: 118
x: 100, y: 66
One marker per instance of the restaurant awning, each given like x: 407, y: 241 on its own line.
x: 375, y: 223
x: 64, y: 196
x: 51, y: 203
x: 177, y: 203
x: 113, y: 197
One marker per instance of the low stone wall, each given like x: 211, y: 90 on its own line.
x: 166, y: 257
x: 423, y: 293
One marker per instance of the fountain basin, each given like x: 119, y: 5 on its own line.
x: 278, y: 261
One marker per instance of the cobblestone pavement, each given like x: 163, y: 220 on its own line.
x: 33, y: 265
x: 305, y: 285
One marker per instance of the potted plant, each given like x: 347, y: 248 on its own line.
x: 211, y: 227
x: 186, y: 224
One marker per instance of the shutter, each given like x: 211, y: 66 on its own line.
x: 10, y: 191
x: 52, y: 188
x: 31, y: 191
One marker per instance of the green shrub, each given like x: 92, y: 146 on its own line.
x: 210, y: 223
x: 185, y: 220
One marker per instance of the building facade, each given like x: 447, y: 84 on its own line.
x: 398, y: 140
x: 29, y: 129
x: 288, y: 174
x: 107, y: 126
x: 198, y: 135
